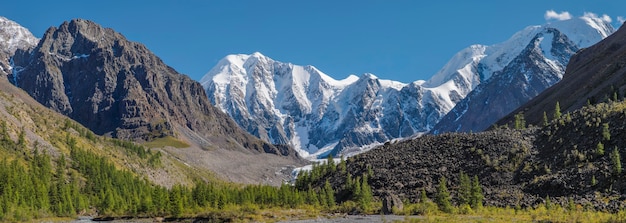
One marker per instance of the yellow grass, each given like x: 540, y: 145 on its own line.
x: 166, y: 141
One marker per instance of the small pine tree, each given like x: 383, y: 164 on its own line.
x: 571, y: 206
x: 330, y: 164
x: 477, y: 197
x: 616, y: 161
x: 606, y: 134
x: 366, y: 197
x: 548, y: 203
x: 423, y: 196
x: 342, y: 165
x: 443, y: 196
x: 465, y: 189
x: 557, y: 111
x: 545, y: 119
x: 520, y: 123
x: 593, y: 181
x: 329, y: 195
x: 600, y: 149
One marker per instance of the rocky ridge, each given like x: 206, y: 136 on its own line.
x: 516, y: 168
x: 305, y: 108
x: 538, y: 66
x: 594, y: 75
x: 119, y: 88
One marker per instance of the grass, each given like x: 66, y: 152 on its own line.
x: 539, y: 214
x: 166, y: 141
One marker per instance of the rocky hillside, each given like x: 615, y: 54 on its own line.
x: 28, y: 124
x: 594, y: 75
x: 119, y: 88
x: 515, y: 167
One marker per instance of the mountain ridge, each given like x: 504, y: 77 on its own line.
x: 378, y: 110
x: 584, y: 82
x: 539, y: 65
x: 119, y: 88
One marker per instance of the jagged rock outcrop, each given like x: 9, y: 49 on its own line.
x: 117, y: 87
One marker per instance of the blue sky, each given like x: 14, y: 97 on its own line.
x: 403, y: 40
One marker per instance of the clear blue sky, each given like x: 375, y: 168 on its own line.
x: 403, y: 40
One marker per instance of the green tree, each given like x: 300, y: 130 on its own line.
x: 330, y: 163
x: 342, y: 165
x: 545, y: 119
x: 443, y: 196
x: 520, y: 123
x: 329, y: 195
x: 477, y: 197
x: 616, y: 161
x: 600, y: 149
x: 593, y: 181
x: 465, y: 189
x: 366, y: 197
x: 557, y: 111
x: 423, y: 196
x: 606, y: 134
x: 548, y: 203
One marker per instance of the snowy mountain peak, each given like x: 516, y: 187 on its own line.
x: 585, y: 30
x: 13, y: 36
x: 301, y: 106
x: 541, y: 54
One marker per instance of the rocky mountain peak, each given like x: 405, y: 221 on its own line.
x: 13, y: 37
x: 117, y: 87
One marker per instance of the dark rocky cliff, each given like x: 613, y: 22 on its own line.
x: 117, y: 87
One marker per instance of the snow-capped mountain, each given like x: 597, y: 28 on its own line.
x: 12, y: 37
x: 299, y: 105
x: 539, y: 65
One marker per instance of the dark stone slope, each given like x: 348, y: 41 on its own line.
x: 515, y: 167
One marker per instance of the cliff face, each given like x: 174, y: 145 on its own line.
x: 117, y: 87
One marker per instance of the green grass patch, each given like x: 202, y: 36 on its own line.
x: 166, y: 141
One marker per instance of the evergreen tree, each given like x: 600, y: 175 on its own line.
x: 477, y: 197
x: 330, y: 163
x: 520, y: 123
x: 606, y: 134
x: 423, y: 196
x: 557, y: 111
x: 443, y: 196
x: 342, y: 165
x: 465, y: 189
x: 329, y: 195
x: 548, y: 203
x: 616, y: 161
x: 600, y: 149
x: 545, y: 119
x: 366, y: 198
